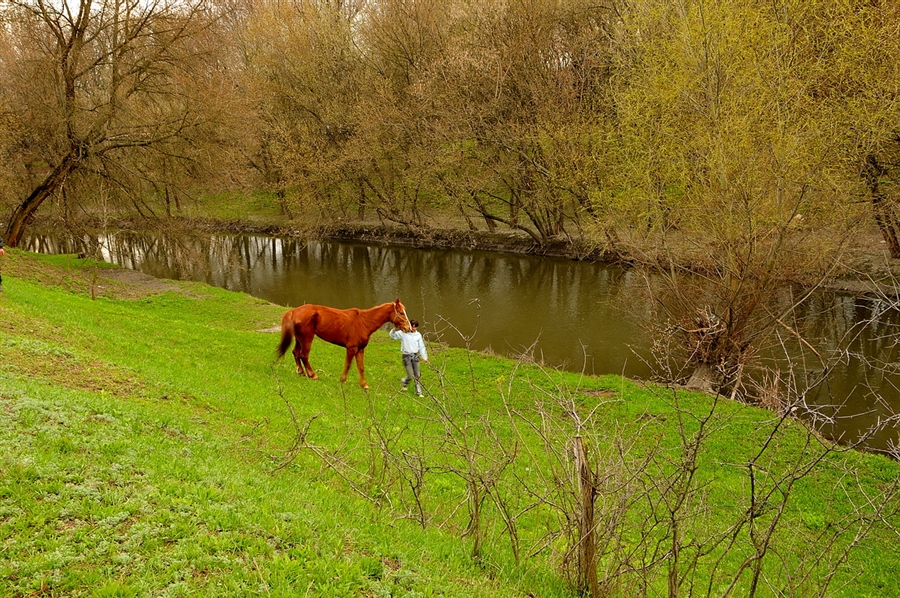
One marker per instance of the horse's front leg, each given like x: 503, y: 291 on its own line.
x: 351, y: 353
x: 362, y: 369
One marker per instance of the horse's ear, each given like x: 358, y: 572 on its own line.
x: 397, y: 302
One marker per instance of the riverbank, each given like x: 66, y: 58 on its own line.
x: 149, y: 446
x: 865, y: 266
x: 448, y: 235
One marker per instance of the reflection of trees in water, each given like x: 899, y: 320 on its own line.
x: 855, y: 341
x: 221, y: 260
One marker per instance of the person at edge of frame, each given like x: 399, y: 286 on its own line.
x: 2, y: 252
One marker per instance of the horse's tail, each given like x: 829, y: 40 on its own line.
x: 287, y: 335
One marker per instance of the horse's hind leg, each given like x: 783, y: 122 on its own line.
x: 301, y: 356
x: 298, y: 355
x: 298, y: 359
x: 309, y: 369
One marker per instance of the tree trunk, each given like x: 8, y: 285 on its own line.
x: 703, y: 378
x: 23, y: 215
x: 885, y: 216
x: 887, y: 223
x: 361, y: 210
x: 488, y: 221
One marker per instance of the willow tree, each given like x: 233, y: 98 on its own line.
x: 871, y: 80
x: 402, y: 42
x: 304, y: 77
x: 735, y: 175
x: 103, y: 90
x: 521, y: 91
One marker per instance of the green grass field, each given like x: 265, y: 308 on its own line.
x: 151, y: 446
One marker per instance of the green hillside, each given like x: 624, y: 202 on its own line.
x: 151, y: 446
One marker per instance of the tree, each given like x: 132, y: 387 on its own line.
x: 389, y: 107
x: 106, y: 90
x: 526, y: 85
x: 881, y: 173
x: 733, y: 166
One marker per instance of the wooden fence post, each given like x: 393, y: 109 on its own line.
x: 587, y: 543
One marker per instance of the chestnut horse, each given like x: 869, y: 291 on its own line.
x: 350, y: 328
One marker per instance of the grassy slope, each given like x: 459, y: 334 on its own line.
x: 136, y: 441
x: 140, y: 434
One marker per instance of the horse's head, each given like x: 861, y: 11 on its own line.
x: 399, y: 319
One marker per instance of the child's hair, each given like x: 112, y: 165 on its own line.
x: 414, y: 323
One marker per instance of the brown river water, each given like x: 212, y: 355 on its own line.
x: 579, y: 316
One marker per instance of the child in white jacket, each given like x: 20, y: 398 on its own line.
x: 412, y: 348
